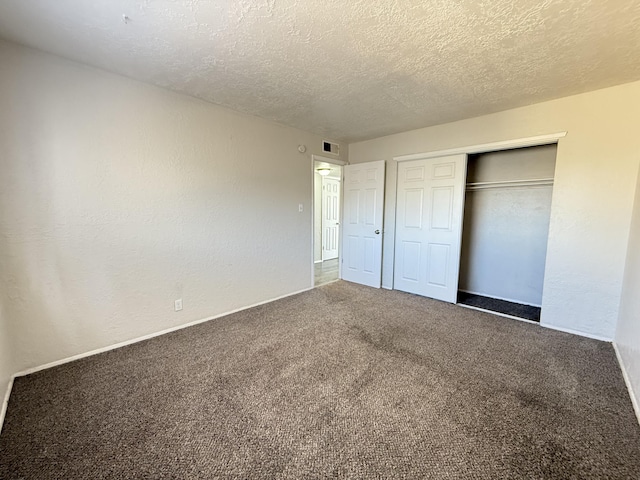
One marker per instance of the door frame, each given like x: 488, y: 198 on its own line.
x: 392, y: 167
x: 333, y: 161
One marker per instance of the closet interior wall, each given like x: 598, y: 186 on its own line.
x: 506, y: 223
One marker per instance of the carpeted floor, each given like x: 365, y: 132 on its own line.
x: 340, y: 382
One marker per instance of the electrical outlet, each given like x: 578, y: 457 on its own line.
x: 178, y: 304
x: 300, y: 207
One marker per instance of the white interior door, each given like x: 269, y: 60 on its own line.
x: 362, y: 223
x: 430, y: 203
x: 330, y: 217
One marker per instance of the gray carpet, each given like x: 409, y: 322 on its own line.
x: 339, y: 382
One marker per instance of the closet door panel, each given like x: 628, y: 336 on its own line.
x: 442, y: 208
x: 410, y: 261
x: 429, y: 226
x: 438, y: 264
x: 414, y: 200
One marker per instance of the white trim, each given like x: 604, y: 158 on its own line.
x: 335, y: 161
x: 627, y: 381
x: 148, y: 336
x: 487, y: 147
x: 576, y: 332
x: 499, y: 314
x: 5, y: 402
x: 500, y: 298
x: 313, y: 221
x: 317, y: 261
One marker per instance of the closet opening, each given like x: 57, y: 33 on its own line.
x: 507, y: 209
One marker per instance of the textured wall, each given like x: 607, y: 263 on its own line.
x: 593, y: 193
x: 628, y: 332
x: 118, y: 198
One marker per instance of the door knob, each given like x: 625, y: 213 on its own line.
x: 377, y: 232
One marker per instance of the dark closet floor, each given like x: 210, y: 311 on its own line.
x: 526, y: 312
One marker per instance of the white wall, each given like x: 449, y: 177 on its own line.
x: 596, y: 168
x: 504, y: 238
x: 118, y: 198
x: 628, y: 333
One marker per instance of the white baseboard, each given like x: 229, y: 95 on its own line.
x: 627, y: 381
x: 317, y: 261
x: 577, y: 332
x: 148, y: 336
x: 5, y: 402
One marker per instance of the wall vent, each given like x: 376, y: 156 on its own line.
x: 332, y: 148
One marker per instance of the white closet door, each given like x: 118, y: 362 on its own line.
x: 362, y: 223
x: 430, y: 203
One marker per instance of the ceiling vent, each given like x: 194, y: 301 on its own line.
x: 332, y: 148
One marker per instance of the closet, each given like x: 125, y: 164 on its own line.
x: 507, y: 208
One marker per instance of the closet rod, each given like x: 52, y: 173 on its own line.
x: 536, y: 182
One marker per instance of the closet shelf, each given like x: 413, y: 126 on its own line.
x: 536, y: 182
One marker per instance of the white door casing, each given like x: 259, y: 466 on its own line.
x: 362, y: 223
x: 429, y: 213
x: 330, y: 217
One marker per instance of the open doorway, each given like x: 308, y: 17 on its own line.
x: 327, y: 186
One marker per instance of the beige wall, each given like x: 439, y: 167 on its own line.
x: 628, y: 332
x: 597, y: 164
x: 119, y: 197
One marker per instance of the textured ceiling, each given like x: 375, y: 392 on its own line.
x: 349, y: 70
